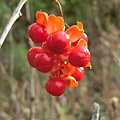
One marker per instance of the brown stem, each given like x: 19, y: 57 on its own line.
x: 59, y: 6
x: 60, y: 9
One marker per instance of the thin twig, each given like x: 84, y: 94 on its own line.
x: 14, y: 17
x: 60, y: 9
x: 95, y: 115
x: 59, y: 6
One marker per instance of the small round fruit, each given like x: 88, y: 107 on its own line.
x: 44, y: 61
x: 55, y: 86
x: 79, y: 73
x: 32, y: 53
x: 79, y: 56
x: 37, y: 33
x: 58, y: 42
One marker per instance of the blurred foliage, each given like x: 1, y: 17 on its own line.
x: 20, y: 55
x: 101, y: 21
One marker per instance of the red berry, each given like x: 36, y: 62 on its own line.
x: 32, y: 53
x: 44, y: 61
x: 79, y: 73
x: 55, y: 86
x: 58, y: 42
x: 79, y: 56
x: 37, y: 33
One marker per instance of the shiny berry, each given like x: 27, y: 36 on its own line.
x: 55, y: 86
x: 79, y: 56
x: 79, y: 73
x: 37, y: 33
x: 44, y: 61
x: 58, y: 42
x: 32, y: 53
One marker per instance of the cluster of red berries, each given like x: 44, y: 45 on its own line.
x: 62, y: 53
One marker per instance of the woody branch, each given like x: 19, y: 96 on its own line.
x: 16, y: 14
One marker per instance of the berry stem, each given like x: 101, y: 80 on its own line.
x: 59, y: 6
x: 60, y: 9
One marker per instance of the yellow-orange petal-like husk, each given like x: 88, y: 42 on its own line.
x: 55, y: 67
x: 89, y: 65
x: 65, y: 55
x: 80, y: 25
x: 70, y: 81
x: 74, y: 33
x: 82, y: 42
x: 58, y: 58
x: 55, y: 73
x: 41, y: 18
x: 68, y: 69
x: 55, y: 23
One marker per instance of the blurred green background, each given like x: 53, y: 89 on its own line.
x: 22, y: 89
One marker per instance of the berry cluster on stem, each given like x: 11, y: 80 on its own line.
x: 62, y: 52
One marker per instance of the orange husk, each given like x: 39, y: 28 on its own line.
x: 57, y: 63
x: 55, y: 67
x: 74, y: 33
x: 80, y: 25
x: 41, y: 18
x: 68, y: 69
x: 70, y: 81
x: 65, y: 55
x: 89, y: 65
x: 82, y: 42
x: 55, y: 23
x: 58, y: 58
